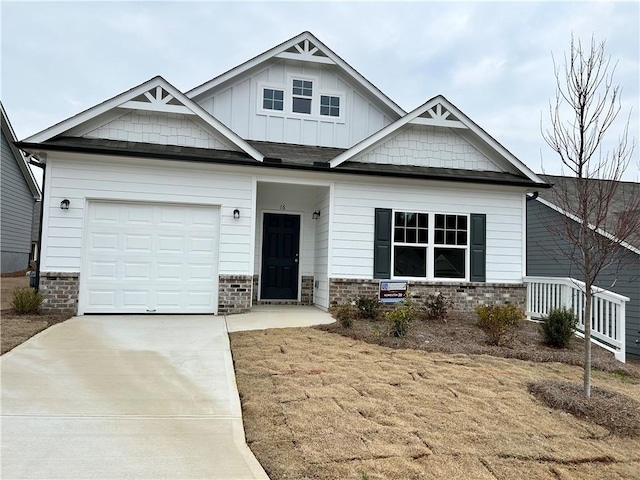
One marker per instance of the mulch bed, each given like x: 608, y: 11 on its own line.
x: 459, y: 335
x: 16, y: 329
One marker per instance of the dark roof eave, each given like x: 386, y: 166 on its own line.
x: 250, y: 162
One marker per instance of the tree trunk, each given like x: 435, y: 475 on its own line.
x: 587, y: 341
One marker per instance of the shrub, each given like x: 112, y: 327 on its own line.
x: 345, y: 314
x: 401, y: 317
x: 368, y: 307
x: 498, y: 322
x: 558, y: 327
x: 437, y: 307
x: 26, y: 301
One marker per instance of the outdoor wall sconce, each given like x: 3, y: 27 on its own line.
x: 64, y: 204
x: 236, y: 213
x: 316, y: 214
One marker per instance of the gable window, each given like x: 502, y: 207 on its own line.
x: 302, y: 94
x: 273, y: 99
x: 329, y: 106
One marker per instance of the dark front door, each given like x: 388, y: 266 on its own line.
x: 280, y: 255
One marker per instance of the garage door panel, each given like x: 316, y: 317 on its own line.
x: 154, y: 258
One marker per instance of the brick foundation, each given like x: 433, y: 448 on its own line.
x: 465, y: 297
x: 60, y: 292
x: 306, y: 295
x: 234, y: 294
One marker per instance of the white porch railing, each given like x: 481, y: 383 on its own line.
x: 607, y: 309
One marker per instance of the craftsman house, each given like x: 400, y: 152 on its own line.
x: 290, y: 178
x: 19, y: 192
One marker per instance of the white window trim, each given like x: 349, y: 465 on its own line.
x: 288, y: 100
x: 272, y: 86
x: 328, y: 118
x: 431, y: 246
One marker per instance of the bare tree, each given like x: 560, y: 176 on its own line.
x: 586, y: 105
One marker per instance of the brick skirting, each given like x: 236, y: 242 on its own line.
x: 60, y: 292
x: 234, y: 294
x: 465, y: 297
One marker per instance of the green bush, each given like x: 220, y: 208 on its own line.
x: 499, y: 322
x: 345, y: 314
x: 437, y: 307
x: 558, y: 327
x: 26, y: 301
x: 368, y: 307
x: 401, y: 317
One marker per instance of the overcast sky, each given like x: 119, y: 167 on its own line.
x: 491, y: 59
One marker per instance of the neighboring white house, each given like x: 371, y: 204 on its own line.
x: 290, y: 178
x: 19, y: 193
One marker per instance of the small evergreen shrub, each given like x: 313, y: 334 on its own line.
x: 558, y: 327
x: 345, y: 314
x: 26, y: 301
x: 499, y: 322
x: 368, y: 307
x: 437, y: 307
x: 401, y: 317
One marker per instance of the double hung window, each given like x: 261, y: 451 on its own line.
x: 430, y: 246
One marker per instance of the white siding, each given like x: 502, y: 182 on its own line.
x: 150, y: 181
x: 321, y: 274
x: 353, y: 227
x: 426, y: 146
x: 160, y: 128
x: 238, y: 106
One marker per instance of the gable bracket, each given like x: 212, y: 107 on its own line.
x: 438, y: 122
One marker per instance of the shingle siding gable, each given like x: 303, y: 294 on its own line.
x: 157, y: 127
x: 426, y: 146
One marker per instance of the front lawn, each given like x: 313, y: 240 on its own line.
x: 317, y: 405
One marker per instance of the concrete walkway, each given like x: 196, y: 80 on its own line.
x: 145, y: 397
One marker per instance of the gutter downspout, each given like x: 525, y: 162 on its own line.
x: 43, y: 166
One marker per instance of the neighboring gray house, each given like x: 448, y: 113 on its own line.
x: 19, y: 192
x: 543, y: 259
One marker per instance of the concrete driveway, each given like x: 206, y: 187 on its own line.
x: 117, y: 397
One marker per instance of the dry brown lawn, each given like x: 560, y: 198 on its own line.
x: 15, y: 329
x: 317, y: 405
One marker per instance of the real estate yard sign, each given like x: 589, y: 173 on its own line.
x: 392, y: 290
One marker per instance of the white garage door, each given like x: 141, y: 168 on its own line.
x: 150, y: 258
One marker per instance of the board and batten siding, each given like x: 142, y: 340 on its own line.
x: 238, y: 106
x: 353, y: 223
x: 83, y: 179
x: 544, y: 260
x: 16, y: 213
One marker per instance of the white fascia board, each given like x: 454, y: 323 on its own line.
x: 576, y: 219
x: 279, y: 51
x: 22, y: 161
x: 123, y: 100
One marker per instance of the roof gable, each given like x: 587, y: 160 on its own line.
x: 304, y: 47
x: 10, y: 136
x: 443, y: 116
x: 156, y: 96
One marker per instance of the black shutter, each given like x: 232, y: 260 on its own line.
x: 382, y: 244
x: 478, y: 247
